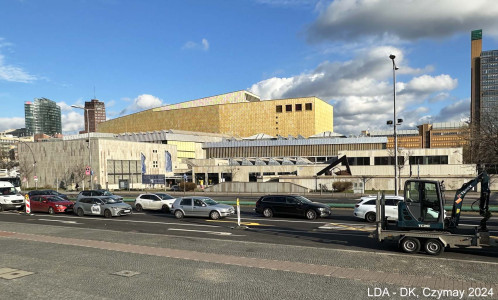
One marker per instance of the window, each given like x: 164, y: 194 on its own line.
x: 309, y: 106
x: 154, y: 151
x: 291, y: 200
x: 197, y: 202
x: 279, y: 108
x: 186, y: 202
x: 155, y: 164
x: 288, y: 107
x: 299, y: 107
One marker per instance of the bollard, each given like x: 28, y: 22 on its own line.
x: 238, y: 213
x: 27, y: 205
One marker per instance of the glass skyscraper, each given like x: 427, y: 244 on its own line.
x: 42, y: 116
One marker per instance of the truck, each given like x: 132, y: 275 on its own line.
x: 12, y: 177
x: 418, y: 229
x: 10, y: 198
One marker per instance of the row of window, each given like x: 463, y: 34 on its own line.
x: 388, y: 160
x: 298, y: 107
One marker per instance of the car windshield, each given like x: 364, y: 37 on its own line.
x: 56, y: 199
x: 303, y: 200
x: 7, y: 191
x: 165, y: 196
x: 209, y: 201
x: 107, y: 193
x: 111, y: 200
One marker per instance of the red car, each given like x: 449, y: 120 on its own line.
x: 51, y: 204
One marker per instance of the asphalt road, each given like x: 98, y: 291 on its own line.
x: 152, y: 255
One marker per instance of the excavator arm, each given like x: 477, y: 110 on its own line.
x: 482, y: 178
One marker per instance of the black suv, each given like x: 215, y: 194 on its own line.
x: 291, y: 205
x: 47, y: 193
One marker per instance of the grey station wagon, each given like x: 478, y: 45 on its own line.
x: 201, y: 207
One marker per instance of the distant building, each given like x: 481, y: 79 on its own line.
x: 484, y: 78
x: 42, y: 116
x: 436, y: 135
x: 96, y: 114
x: 238, y: 114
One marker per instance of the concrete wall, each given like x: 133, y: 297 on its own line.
x: 258, y: 187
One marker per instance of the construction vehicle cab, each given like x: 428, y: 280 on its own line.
x: 423, y: 207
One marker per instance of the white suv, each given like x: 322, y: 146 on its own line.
x: 157, y: 201
x: 365, y: 208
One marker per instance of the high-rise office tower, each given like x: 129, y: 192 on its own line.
x: 42, y: 116
x: 484, y: 78
x: 96, y: 114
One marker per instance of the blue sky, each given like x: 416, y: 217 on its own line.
x: 143, y: 54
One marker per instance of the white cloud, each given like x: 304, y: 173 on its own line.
x: 203, y: 45
x: 360, y: 89
x: 142, y: 102
x: 72, y: 122
x: 11, y: 123
x: 64, y: 106
x: 407, y: 19
x: 13, y: 73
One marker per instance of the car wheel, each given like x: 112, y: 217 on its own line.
x: 410, y: 245
x: 310, y: 214
x: 179, y: 214
x: 138, y: 207
x: 165, y: 209
x: 50, y: 210
x: 433, y: 247
x: 107, y: 213
x: 268, y: 212
x: 80, y: 212
x: 214, y: 215
x: 371, y: 217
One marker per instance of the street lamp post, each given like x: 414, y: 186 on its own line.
x: 89, y: 144
x: 395, y: 121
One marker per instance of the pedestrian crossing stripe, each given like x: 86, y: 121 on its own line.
x: 366, y: 228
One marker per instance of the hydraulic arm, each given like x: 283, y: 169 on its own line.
x: 483, y: 178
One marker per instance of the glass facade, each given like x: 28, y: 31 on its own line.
x: 489, y: 80
x: 42, y: 116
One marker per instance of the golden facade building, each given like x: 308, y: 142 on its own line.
x: 237, y: 114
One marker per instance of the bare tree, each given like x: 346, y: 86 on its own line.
x: 482, y: 146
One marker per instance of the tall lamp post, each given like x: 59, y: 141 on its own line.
x: 89, y: 144
x: 392, y: 57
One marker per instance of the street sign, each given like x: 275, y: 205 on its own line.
x: 185, y: 177
x: 35, y: 178
x: 87, y: 171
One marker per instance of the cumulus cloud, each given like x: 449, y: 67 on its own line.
x: 191, y: 45
x: 64, y: 106
x: 142, y: 102
x: 360, y: 89
x: 11, y: 123
x: 72, y: 122
x: 405, y: 19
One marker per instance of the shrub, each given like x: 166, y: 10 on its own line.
x: 189, y: 186
x: 341, y: 186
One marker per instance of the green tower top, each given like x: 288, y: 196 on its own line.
x: 476, y: 35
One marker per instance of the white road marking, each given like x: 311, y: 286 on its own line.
x: 61, y: 221
x: 137, y: 221
x: 205, y: 231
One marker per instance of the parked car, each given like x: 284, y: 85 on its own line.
x: 157, y: 201
x: 366, y: 208
x: 98, y: 194
x: 175, y: 188
x: 47, y: 193
x: 10, y: 197
x: 296, y: 205
x: 200, y: 207
x: 101, y: 206
x: 51, y: 204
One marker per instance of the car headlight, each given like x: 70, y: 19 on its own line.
x: 322, y: 209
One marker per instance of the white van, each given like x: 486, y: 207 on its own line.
x: 10, y: 198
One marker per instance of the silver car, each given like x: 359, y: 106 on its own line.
x: 107, y: 207
x: 201, y: 207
